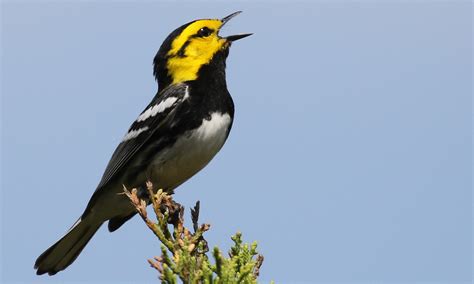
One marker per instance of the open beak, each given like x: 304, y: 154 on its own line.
x: 233, y: 37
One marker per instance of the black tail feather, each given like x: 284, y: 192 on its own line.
x: 67, y: 249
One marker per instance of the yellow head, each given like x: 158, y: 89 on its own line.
x: 190, y: 47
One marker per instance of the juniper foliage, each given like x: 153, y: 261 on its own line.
x: 185, y: 254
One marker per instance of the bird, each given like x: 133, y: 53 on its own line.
x: 180, y: 131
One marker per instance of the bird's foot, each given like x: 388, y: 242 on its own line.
x: 174, y: 210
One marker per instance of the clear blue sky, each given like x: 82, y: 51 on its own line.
x: 349, y: 160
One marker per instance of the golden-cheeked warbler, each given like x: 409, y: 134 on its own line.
x: 178, y: 133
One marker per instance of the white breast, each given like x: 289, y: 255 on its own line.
x: 190, y: 153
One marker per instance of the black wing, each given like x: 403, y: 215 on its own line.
x: 159, y: 112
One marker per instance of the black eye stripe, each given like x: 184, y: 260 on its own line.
x: 183, y: 48
x: 204, y: 32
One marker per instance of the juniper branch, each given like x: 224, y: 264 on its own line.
x: 183, y: 253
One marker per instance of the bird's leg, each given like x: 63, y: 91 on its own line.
x: 168, y: 205
x: 174, y: 209
x: 142, y: 193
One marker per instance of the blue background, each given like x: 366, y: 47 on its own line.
x: 349, y: 160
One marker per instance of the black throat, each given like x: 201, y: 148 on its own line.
x: 210, y: 89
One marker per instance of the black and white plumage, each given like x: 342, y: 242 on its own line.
x: 176, y: 135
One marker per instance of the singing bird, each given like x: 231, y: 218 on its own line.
x: 178, y: 133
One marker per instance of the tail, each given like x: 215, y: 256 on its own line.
x: 67, y: 249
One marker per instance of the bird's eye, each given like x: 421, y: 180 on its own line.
x: 204, y: 32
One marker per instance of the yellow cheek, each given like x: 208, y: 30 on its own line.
x: 197, y: 54
x: 204, y: 48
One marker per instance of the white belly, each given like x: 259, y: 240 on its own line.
x: 190, y: 153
